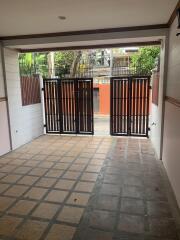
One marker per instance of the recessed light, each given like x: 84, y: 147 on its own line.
x: 62, y: 17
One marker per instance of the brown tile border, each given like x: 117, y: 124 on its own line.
x: 3, y: 99
x: 173, y: 101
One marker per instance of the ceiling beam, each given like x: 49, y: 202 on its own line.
x: 86, y: 32
x: 115, y: 45
x: 174, y: 14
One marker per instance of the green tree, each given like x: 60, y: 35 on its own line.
x: 145, y: 60
x: 32, y: 63
x: 63, y: 61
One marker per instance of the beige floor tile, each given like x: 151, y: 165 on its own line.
x: 87, y: 150
x: 99, y: 155
x: 86, y: 155
x: 16, y: 191
x: 36, y: 193
x: 3, y: 187
x: 78, y: 199
x: 70, y: 214
x: 82, y: 161
x: 31, y: 230
x: 61, y: 232
x: 61, y: 166
x: 5, y: 160
x: 67, y: 159
x: 18, y: 161
x: 26, y: 156
x: 31, y: 163
x: 59, y: 153
x: 46, y: 164
x: 54, y: 173
x: 5, y: 203
x: 64, y: 184
x: 38, y: 171
x: 22, y: 170
x: 96, y: 161
x: 22, y: 207
x: 53, y: 158
x: 39, y: 157
x: 56, y: 196
x: 71, y: 175
x: 89, y: 177
x: 77, y: 167
x: 28, y: 180
x: 8, y: 225
x: 7, y: 168
x: 93, y: 168
x: 46, y: 210
x: 11, y: 178
x: 46, y: 182
x: 2, y: 175
x: 84, y: 187
x: 46, y: 152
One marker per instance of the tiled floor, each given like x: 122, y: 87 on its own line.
x: 84, y: 188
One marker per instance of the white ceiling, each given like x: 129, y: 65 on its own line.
x: 20, y: 17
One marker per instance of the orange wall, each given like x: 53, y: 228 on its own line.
x: 104, y: 99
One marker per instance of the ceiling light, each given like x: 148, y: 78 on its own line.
x: 62, y: 17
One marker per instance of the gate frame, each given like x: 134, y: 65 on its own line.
x: 75, y: 79
x: 130, y: 78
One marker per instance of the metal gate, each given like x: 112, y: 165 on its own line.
x: 68, y: 105
x: 129, y: 114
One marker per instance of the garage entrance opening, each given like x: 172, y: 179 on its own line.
x: 101, y: 100
x: 97, y: 91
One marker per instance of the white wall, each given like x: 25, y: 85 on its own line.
x: 4, y: 127
x: 26, y: 121
x: 2, y: 92
x: 171, y: 140
x: 157, y: 111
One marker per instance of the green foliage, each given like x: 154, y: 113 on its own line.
x: 145, y: 59
x: 32, y: 63
x: 63, y: 62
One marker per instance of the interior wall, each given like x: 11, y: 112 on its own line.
x: 171, y: 140
x: 26, y: 122
x: 157, y: 110
x: 4, y: 127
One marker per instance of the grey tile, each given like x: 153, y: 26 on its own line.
x: 132, y: 206
x: 106, y: 202
x: 132, y: 192
x: 102, y: 220
x: 110, y: 189
x: 131, y: 223
x: 164, y: 228
x: 158, y: 209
